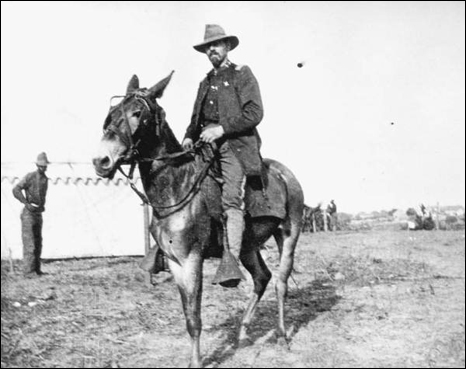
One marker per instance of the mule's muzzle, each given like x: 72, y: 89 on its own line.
x: 104, y: 166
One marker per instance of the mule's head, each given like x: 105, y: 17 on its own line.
x: 132, y: 121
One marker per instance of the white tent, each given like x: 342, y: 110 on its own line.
x: 85, y: 215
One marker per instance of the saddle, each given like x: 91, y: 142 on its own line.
x: 265, y: 196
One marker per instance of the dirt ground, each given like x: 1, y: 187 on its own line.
x: 367, y: 299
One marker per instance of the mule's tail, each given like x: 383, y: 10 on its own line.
x: 287, y: 235
x: 290, y: 228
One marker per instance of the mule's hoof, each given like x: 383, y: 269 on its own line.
x: 194, y: 364
x: 282, y: 342
x: 244, y: 342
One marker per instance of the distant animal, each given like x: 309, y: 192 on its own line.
x: 184, y: 195
x: 313, y: 219
x: 420, y: 221
x: 307, y: 219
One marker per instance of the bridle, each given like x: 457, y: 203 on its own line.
x: 133, y: 156
x: 127, y: 138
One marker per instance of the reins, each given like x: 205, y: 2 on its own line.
x: 133, y: 156
x: 192, y: 191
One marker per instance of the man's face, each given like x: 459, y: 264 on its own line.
x: 217, y: 52
x: 42, y: 168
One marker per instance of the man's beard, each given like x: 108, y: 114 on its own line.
x: 216, y: 60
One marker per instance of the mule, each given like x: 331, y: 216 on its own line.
x: 183, y: 195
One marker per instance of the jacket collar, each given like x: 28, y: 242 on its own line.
x: 214, y: 72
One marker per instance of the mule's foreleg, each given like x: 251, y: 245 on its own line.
x: 188, y: 277
x: 261, y: 276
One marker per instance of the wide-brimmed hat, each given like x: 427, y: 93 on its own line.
x: 213, y: 33
x: 42, y: 159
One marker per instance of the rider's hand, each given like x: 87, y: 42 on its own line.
x: 212, y: 132
x: 187, y: 144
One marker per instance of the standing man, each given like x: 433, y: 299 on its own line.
x: 332, y: 212
x: 227, y: 110
x: 35, y: 186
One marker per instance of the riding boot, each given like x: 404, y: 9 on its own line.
x: 229, y: 274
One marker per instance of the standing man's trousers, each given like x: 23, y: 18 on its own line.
x: 31, y: 228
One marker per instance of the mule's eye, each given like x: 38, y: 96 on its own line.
x: 137, y: 114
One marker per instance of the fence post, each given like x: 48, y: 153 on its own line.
x: 325, y: 220
x: 146, y: 212
x: 10, y: 260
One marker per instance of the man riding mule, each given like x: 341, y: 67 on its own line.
x: 185, y: 210
x: 227, y: 110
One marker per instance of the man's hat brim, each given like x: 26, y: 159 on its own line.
x: 202, y: 47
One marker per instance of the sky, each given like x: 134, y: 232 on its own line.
x: 374, y: 119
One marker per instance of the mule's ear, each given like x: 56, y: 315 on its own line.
x: 157, y: 90
x: 133, y: 84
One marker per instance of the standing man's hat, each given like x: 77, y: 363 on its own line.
x: 42, y: 159
x: 213, y: 33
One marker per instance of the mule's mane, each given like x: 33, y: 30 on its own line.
x: 171, y: 176
x: 157, y: 138
x: 173, y: 145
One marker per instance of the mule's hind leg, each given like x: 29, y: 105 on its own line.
x: 286, y: 238
x: 188, y: 277
x: 261, y: 275
x: 256, y: 234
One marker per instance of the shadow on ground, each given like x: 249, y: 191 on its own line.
x: 303, y: 305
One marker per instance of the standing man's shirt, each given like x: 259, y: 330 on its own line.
x: 35, y: 186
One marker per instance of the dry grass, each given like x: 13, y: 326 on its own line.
x: 374, y: 299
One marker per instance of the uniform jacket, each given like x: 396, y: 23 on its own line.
x: 240, y: 111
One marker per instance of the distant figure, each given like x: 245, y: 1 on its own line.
x: 35, y: 186
x: 419, y: 222
x: 423, y: 210
x: 427, y: 221
x: 332, y: 212
x: 307, y: 219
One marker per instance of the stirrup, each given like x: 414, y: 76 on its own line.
x: 155, y: 261
x: 228, y: 273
